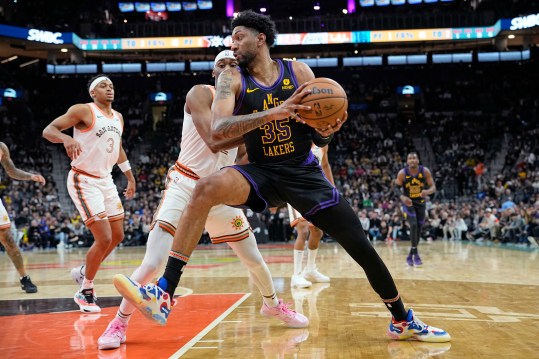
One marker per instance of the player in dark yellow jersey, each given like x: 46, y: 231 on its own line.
x: 417, y: 182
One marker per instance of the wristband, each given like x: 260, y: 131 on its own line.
x: 124, y: 166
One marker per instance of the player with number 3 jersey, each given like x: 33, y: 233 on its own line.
x: 94, y: 149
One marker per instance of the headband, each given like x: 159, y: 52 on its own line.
x: 225, y: 54
x: 96, y: 81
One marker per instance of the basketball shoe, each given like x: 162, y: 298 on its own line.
x: 113, y: 336
x: 413, y: 328
x: 298, y: 281
x: 78, y: 273
x: 87, y: 301
x: 27, y: 285
x: 410, y: 260
x: 417, y: 260
x: 151, y: 300
x: 291, y: 318
x: 315, y: 276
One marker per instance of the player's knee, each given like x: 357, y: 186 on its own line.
x: 4, y: 235
x: 253, y: 265
x: 7, y: 239
x: 103, y: 240
x: 303, y: 232
x: 118, y: 237
x: 316, y: 232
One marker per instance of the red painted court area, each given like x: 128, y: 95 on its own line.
x: 74, y: 334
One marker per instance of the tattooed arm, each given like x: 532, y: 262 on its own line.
x: 13, y: 171
x: 224, y: 125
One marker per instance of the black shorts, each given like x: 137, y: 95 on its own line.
x: 415, y: 212
x: 304, y: 186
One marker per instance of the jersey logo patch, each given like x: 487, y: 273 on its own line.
x: 237, y: 223
x: 252, y: 90
x: 286, y: 85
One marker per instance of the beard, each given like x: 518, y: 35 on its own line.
x: 246, y: 60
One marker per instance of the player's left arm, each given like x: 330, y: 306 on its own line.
x: 125, y: 166
x: 13, y: 171
x: 225, y: 125
x: 326, y: 167
x: 430, y: 182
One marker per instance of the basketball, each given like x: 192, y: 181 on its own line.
x: 327, y: 100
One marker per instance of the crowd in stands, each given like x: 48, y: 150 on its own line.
x: 468, y: 123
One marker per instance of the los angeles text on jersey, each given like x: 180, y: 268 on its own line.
x: 271, y: 101
x: 106, y: 129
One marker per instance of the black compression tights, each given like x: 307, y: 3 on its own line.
x: 341, y: 223
x: 415, y: 229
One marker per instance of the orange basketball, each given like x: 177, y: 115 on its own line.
x: 328, y: 102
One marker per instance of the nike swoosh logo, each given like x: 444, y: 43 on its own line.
x: 252, y: 90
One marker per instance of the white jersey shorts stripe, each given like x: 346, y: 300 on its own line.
x: 94, y: 197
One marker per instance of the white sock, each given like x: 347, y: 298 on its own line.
x: 87, y: 284
x: 311, y: 258
x: 247, y: 251
x: 122, y: 317
x: 271, y: 301
x: 298, y: 259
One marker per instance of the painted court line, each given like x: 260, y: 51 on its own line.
x: 212, y: 325
x: 211, y: 341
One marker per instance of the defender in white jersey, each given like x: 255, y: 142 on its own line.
x: 304, y: 277
x: 6, y: 238
x: 96, y: 146
x: 199, y: 157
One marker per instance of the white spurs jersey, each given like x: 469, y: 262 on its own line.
x: 100, y: 143
x: 196, y: 155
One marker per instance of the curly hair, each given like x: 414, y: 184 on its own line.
x: 258, y: 22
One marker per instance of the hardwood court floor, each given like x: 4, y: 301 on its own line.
x: 485, y: 297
